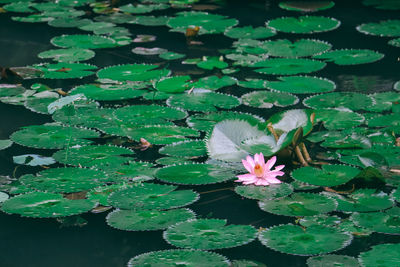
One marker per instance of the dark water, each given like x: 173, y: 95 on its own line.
x: 43, y: 242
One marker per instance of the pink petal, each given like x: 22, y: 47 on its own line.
x: 250, y: 161
x: 248, y: 182
x: 247, y: 165
x: 261, y: 182
x: 270, y: 163
x: 273, y: 180
x: 274, y: 173
x: 246, y: 176
x: 278, y: 168
x: 261, y: 159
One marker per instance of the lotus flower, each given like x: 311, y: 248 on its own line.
x: 260, y: 172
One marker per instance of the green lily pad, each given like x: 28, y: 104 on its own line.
x: 171, y: 55
x: 34, y: 18
x: 253, y: 83
x: 334, y: 119
x: 91, y: 116
x: 45, y: 205
x: 306, y: 6
x: 11, y: 90
x: 383, y: 4
x: 387, y: 222
x: 350, y: 100
x: 5, y: 144
x: 384, y: 28
x: 174, y: 84
x: 209, y: 234
x: 148, y: 196
x: 20, y: 7
x: 68, y: 54
x: 83, y: 41
x: 273, y: 191
x: 384, y: 120
x: 194, y: 174
x: 186, y: 149
x: 68, y: 22
x: 383, y: 255
x: 295, y: 49
x: 302, y: 85
x: 52, y: 136
x: 203, y: 101
x: 148, y: 51
x: 314, y: 240
x: 151, y: 20
x: 210, y: 63
x: 3, y: 197
x: 395, y: 42
x: 208, y: 23
x: 109, y: 92
x: 147, y: 220
x: 332, y: 261
x: 289, y: 120
x: 205, y: 122
x: 329, y: 175
x: 288, y: 66
x: 250, y: 32
x: 299, y: 204
x: 141, y: 9
x: 133, y: 171
x: 65, y: 180
x: 132, y: 72
x: 350, y: 56
x: 362, y: 200
x: 39, y: 104
x: 175, y: 257
x: 304, y: 24
x: 267, y: 99
x: 214, y: 82
x: 65, y: 70
x: 173, y: 161
x: 100, y: 194
x: 99, y: 156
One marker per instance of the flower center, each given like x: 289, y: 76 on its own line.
x: 258, y: 170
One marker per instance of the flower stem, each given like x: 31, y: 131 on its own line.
x: 300, y: 156
x: 272, y: 130
x: 305, y: 152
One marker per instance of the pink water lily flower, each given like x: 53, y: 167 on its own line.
x: 260, y: 172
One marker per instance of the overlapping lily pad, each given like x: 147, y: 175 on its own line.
x: 350, y: 56
x: 250, y: 32
x: 304, y: 24
x: 334, y: 119
x: 194, y: 174
x: 385, y: 4
x: 83, y: 41
x: 52, y: 136
x: 148, y: 196
x: 350, y: 100
x: 272, y: 191
x: 68, y: 54
x: 299, y: 204
x: 186, y: 149
x: 384, y: 255
x: 65, y: 70
x: 45, y: 205
x: 267, y: 99
x: 209, y: 234
x: 306, y: 6
x: 65, y: 180
x: 299, y: 48
x: 385, y: 28
x: 203, y: 101
x: 175, y: 84
x: 329, y: 175
x: 387, y: 222
x: 132, y: 72
x: 302, y: 85
x: 147, y: 220
x: 175, y: 257
x: 314, y: 240
x: 109, y: 92
x: 288, y: 66
x: 332, y: 261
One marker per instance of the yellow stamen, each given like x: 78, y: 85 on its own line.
x: 258, y: 170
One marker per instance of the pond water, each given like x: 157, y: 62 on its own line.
x: 92, y: 242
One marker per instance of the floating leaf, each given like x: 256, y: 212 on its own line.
x: 214, y: 82
x: 175, y: 257
x: 209, y: 234
x: 350, y: 100
x: 334, y: 119
x: 52, y: 136
x: 350, y: 56
x: 384, y: 28
x: 307, y: 6
x: 329, y: 175
x: 302, y: 85
x: 250, y: 32
x: 147, y: 220
x: 287, y: 66
x: 203, y: 101
x: 3, y: 197
x: 175, y: 84
x: 68, y: 54
x: 383, y: 255
x: 314, y: 239
x: 109, y: 92
x: 332, y: 261
x: 148, y: 196
x: 272, y: 191
x: 298, y: 48
x: 304, y: 24
x: 148, y: 51
x: 194, y: 174
x: 100, y: 156
x: 395, y: 42
x: 64, y: 102
x: 386, y: 222
x: 299, y: 204
x: 171, y: 55
x: 83, y: 41
x: 65, y: 70
x: 208, y: 23
x: 289, y: 120
x: 5, y: 144
x: 65, y: 180
x: 186, y: 149
x: 45, y: 205
x: 33, y: 160
x: 100, y: 194
x: 267, y: 99
x: 132, y: 72
x: 385, y: 4
x: 210, y: 63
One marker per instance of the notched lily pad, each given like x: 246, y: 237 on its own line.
x: 273, y: 191
x: 304, y: 24
x: 350, y: 56
x: 288, y: 66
